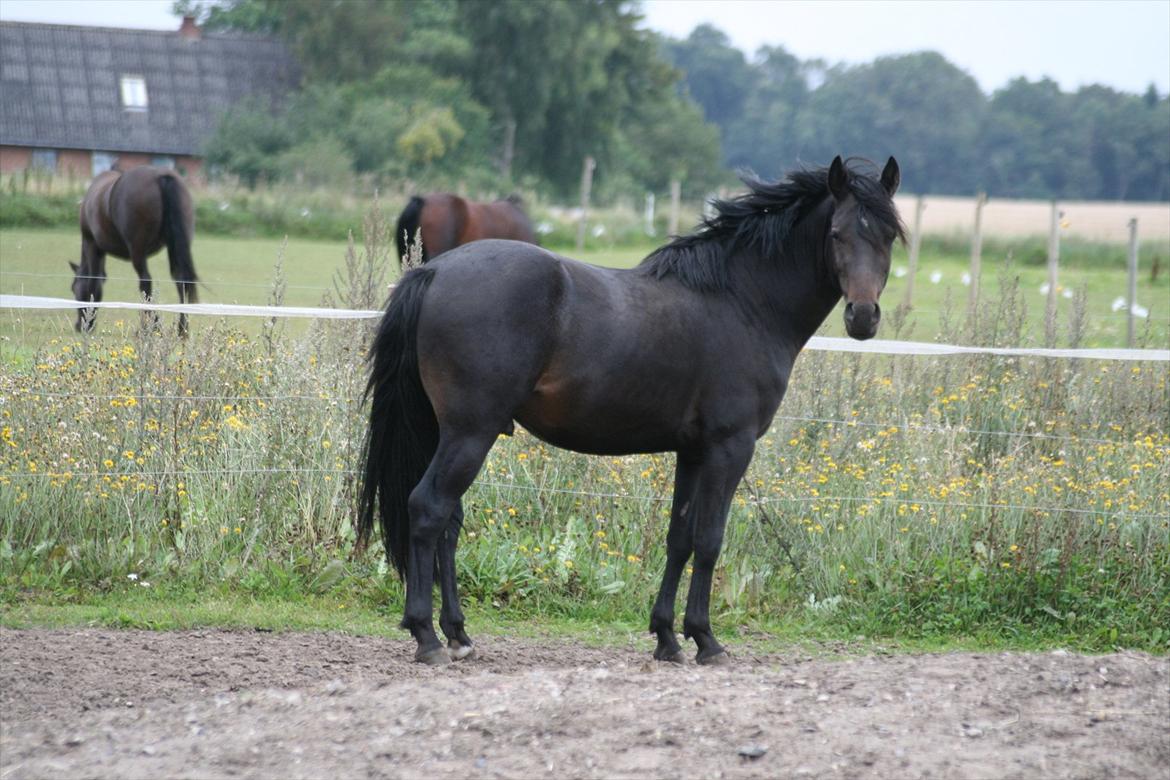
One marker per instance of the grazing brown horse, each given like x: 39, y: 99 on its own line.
x: 444, y: 221
x: 132, y: 215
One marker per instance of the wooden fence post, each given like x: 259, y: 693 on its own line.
x: 649, y: 229
x: 976, y: 252
x: 915, y: 244
x: 675, y: 198
x: 1131, y: 290
x: 1053, y: 273
x: 586, y: 188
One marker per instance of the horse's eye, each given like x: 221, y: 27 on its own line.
x: 835, y: 234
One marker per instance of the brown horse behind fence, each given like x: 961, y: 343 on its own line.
x: 444, y: 221
x: 132, y: 215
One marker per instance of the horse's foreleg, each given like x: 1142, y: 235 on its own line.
x: 431, y: 506
x: 93, y: 265
x: 459, y: 645
x: 678, y: 551
x: 721, y: 470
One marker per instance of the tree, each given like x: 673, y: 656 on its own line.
x: 1033, y: 144
x: 765, y: 137
x: 917, y: 107
x: 717, y: 75
x: 247, y: 143
x: 563, y: 81
x: 254, y: 16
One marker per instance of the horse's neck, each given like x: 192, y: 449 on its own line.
x: 795, y: 293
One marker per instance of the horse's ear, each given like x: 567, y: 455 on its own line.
x: 891, y: 176
x: 838, y: 179
x: 73, y: 265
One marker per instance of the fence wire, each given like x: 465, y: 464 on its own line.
x: 959, y: 428
x: 873, y: 347
x: 636, y: 497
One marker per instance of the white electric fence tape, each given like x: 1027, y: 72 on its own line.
x: 823, y: 343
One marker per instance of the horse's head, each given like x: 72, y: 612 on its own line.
x: 861, y: 235
x: 86, y: 287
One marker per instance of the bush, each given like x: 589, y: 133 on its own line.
x: 40, y: 211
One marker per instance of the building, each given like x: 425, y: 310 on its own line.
x: 76, y: 100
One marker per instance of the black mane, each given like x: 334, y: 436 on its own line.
x: 762, y: 221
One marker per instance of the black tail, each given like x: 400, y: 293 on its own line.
x: 174, y: 229
x: 407, y: 228
x: 404, y: 432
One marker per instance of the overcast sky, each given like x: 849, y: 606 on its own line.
x: 1124, y: 44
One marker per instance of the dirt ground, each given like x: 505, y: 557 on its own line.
x: 205, y: 704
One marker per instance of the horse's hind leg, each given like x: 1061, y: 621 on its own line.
x: 431, y: 507
x: 679, y: 543
x: 459, y: 645
x: 145, y: 287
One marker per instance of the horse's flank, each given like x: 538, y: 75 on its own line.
x: 443, y: 221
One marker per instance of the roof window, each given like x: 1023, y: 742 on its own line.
x: 134, y: 93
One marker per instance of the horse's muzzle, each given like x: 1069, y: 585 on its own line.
x: 861, y: 320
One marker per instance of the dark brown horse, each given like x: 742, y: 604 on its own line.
x: 132, y: 215
x: 444, y: 221
x: 689, y: 352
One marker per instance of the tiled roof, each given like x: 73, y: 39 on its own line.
x: 60, y: 85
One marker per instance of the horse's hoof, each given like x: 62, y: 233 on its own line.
x: 670, y: 656
x: 718, y: 658
x: 436, y: 657
x: 461, y: 652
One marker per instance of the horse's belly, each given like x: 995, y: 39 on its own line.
x: 590, y: 442
x: 574, y: 422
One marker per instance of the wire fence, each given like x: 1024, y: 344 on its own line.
x: 817, y: 343
x: 632, y: 497
x: 951, y: 430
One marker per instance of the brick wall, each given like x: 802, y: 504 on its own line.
x: 14, y: 159
x: 78, y: 163
x: 74, y: 163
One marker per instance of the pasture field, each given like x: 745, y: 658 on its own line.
x: 1098, y: 221
x: 242, y: 270
x: 1016, y: 500
x: 897, y: 504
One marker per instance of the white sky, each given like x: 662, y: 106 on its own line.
x: 1123, y: 44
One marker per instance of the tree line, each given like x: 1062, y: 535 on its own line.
x: 1029, y: 139
x: 517, y: 93
x: 447, y: 92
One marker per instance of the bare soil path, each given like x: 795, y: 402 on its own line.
x: 210, y: 704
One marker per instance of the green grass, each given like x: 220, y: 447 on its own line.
x: 590, y: 624
x: 232, y: 270
x: 920, y: 501
x: 241, y: 270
